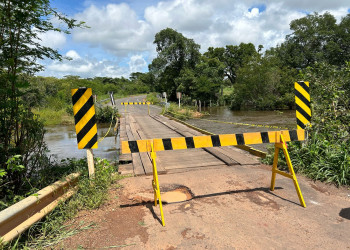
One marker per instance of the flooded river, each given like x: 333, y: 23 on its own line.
x: 62, y: 141
x: 284, y: 119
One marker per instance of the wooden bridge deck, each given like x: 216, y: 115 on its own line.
x: 137, y: 124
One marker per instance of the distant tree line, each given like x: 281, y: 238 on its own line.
x: 261, y: 81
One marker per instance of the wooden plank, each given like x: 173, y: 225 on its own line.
x: 125, y: 158
x: 145, y: 159
x: 136, y: 159
x: 126, y: 169
x: 137, y: 164
x: 242, y: 159
x: 185, y: 131
x: 160, y: 167
x: 219, y: 153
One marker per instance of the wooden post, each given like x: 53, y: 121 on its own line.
x: 90, y: 160
x: 200, y: 106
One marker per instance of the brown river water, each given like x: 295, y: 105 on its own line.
x: 62, y: 141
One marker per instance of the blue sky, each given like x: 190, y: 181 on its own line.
x: 120, y: 38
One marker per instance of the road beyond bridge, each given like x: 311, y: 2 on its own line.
x: 224, y: 200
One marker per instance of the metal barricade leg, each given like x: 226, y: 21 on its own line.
x: 282, y: 145
x: 155, y: 184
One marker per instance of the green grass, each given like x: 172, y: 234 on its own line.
x: 228, y: 91
x: 54, y: 117
x: 91, y: 194
x: 152, y: 97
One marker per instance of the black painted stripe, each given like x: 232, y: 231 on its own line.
x: 265, y: 137
x: 189, y: 142
x: 302, y: 98
x: 300, y: 124
x: 304, y: 86
x: 215, y: 139
x: 167, y: 144
x: 240, y: 139
x: 134, y: 148
x: 86, y: 128
x: 293, y: 135
x: 303, y: 112
x: 84, y: 109
x: 79, y: 93
x: 91, y: 142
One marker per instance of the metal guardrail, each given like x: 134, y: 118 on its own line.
x: 19, y: 217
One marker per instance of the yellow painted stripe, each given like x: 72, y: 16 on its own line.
x: 125, y: 147
x: 79, y: 126
x: 302, y: 118
x: 285, y: 134
x: 252, y: 138
x: 307, y: 84
x: 144, y: 145
x: 178, y: 143
x: 303, y: 105
x: 228, y: 140
x: 83, y: 99
x: 202, y: 141
x: 73, y: 91
x: 87, y: 137
x: 95, y: 145
x: 301, y: 134
x: 302, y: 91
x: 205, y: 141
x: 158, y: 145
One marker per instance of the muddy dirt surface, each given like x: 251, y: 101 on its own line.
x: 228, y: 207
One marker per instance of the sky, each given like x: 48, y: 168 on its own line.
x: 120, y: 36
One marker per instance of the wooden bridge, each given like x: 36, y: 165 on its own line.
x: 136, y: 124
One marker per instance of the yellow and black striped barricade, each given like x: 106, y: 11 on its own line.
x: 136, y: 103
x: 302, y: 102
x: 85, y: 123
x: 177, y: 143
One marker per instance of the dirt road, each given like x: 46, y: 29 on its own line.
x: 231, y: 207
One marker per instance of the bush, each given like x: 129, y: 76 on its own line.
x: 105, y: 114
x: 325, y: 155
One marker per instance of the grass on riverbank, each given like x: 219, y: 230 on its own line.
x: 184, y: 112
x: 90, y: 195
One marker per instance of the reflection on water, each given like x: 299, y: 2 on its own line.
x: 285, y: 119
x: 62, y: 142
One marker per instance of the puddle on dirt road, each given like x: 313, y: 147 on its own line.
x: 177, y: 195
x: 171, y: 195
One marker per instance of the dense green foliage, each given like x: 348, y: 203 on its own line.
x: 22, y: 149
x: 325, y: 155
x: 51, y: 97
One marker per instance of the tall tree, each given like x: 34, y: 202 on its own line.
x: 175, y: 53
x: 233, y: 56
x: 20, y: 50
x: 316, y: 38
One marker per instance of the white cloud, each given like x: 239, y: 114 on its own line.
x: 52, y: 39
x: 252, y: 13
x: 137, y: 63
x: 90, y: 67
x: 119, y: 31
x: 115, y: 28
x: 73, y: 55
